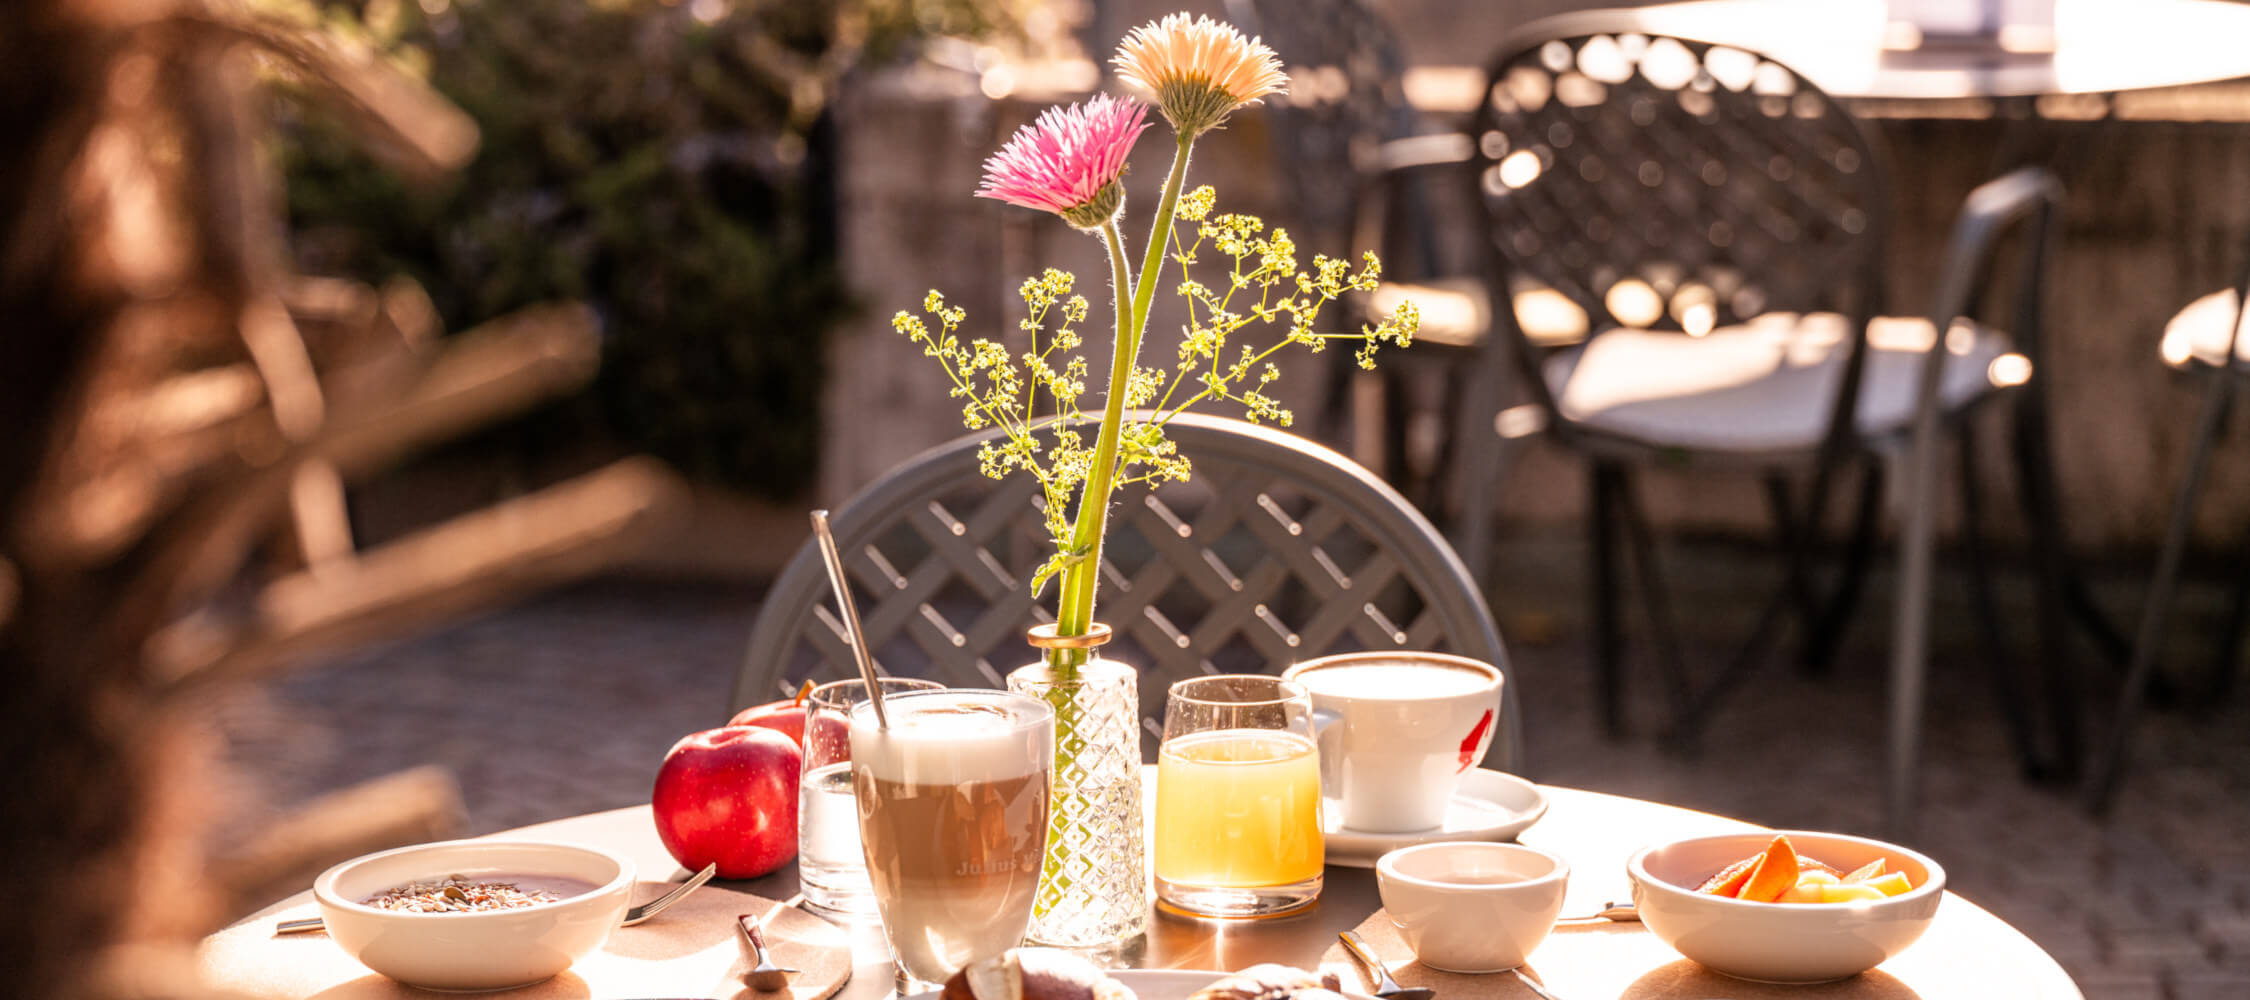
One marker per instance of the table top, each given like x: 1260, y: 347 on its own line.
x: 2098, y: 46
x: 1962, y: 955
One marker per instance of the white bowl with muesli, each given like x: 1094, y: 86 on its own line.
x: 468, y: 915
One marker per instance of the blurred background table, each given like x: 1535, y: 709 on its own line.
x: 1849, y: 48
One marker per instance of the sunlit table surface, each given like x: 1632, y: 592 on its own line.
x: 1964, y: 951
x: 1846, y: 47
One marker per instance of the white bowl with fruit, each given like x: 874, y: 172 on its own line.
x: 1792, y: 907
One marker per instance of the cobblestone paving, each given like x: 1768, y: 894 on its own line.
x: 566, y: 704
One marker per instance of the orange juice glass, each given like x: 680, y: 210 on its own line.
x: 1238, y: 799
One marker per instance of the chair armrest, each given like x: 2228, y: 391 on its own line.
x: 1987, y: 214
x: 1416, y: 152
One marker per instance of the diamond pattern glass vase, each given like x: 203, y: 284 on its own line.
x: 1093, y: 891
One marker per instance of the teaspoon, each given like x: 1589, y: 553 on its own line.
x: 765, y: 977
x: 1386, y: 988
x: 1609, y: 911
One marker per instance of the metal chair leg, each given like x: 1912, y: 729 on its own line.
x: 1910, y: 668
x: 1825, y: 633
x: 1664, y: 629
x: 1796, y: 595
x: 2108, y: 765
x: 2218, y: 685
x: 1481, y: 454
x: 2001, y: 666
x: 2035, y: 479
x: 1798, y: 583
x: 1608, y: 638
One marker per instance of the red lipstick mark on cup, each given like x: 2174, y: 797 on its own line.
x: 1469, y: 746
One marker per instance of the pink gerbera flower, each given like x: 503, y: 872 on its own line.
x: 1069, y: 160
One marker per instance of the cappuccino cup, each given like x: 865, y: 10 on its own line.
x: 1397, y: 730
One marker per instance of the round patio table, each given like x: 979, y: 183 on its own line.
x: 1967, y: 952
x: 2098, y: 47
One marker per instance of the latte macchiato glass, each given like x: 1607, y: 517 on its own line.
x: 953, y: 819
x: 831, y: 865
x: 1398, y: 729
x: 1237, y: 799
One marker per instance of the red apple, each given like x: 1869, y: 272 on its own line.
x: 832, y: 734
x: 779, y: 716
x: 784, y: 717
x: 729, y: 796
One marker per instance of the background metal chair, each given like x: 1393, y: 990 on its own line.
x: 1351, y: 152
x: 2205, y: 339
x: 1279, y: 550
x: 1723, y: 223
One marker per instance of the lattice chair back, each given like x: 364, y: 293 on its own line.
x: 1346, y: 97
x: 1279, y: 550
x: 1668, y: 183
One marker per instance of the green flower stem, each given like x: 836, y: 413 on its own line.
x: 1074, y: 612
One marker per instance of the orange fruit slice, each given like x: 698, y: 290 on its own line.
x: 1728, y: 882
x: 1775, y: 873
x: 1866, y: 871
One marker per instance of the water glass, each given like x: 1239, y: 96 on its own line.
x: 831, y: 868
x: 1238, y: 798
x: 952, y: 800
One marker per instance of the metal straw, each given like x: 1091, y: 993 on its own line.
x: 851, y: 614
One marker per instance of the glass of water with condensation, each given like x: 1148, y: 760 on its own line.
x: 831, y: 866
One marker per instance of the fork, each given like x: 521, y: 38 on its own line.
x: 1386, y: 988
x: 633, y: 916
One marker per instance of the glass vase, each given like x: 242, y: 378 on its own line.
x: 1093, y: 892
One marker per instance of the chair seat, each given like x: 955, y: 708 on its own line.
x: 1457, y: 312
x: 1454, y: 311
x: 1765, y: 385
x: 2203, y: 333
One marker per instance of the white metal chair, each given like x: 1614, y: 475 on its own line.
x: 1278, y: 550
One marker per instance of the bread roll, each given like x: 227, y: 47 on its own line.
x: 1272, y: 982
x: 1034, y: 974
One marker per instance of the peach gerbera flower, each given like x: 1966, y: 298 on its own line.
x: 1068, y: 161
x: 1198, y: 70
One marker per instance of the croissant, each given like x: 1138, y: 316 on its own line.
x: 1034, y: 974
x: 1272, y: 982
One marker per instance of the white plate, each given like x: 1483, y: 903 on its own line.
x: 1489, y: 805
x: 1147, y: 984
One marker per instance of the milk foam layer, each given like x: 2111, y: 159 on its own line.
x: 953, y: 737
x: 1396, y: 680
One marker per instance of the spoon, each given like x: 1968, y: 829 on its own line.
x: 633, y: 916
x: 1609, y: 911
x: 837, y: 580
x: 1385, y: 987
x: 765, y: 977
x: 1534, y: 986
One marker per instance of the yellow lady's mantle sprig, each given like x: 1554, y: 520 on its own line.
x: 1034, y: 396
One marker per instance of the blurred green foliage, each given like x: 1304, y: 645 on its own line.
x: 669, y: 163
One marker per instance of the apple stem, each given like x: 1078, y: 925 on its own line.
x: 804, y: 691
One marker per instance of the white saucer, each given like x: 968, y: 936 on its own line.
x: 1146, y: 984
x: 1489, y: 805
